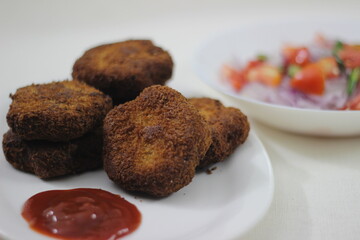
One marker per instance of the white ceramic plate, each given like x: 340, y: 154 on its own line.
x: 222, y: 205
x: 247, y: 41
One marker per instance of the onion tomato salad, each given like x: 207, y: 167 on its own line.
x: 321, y: 75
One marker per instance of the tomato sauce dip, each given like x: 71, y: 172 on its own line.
x: 82, y: 213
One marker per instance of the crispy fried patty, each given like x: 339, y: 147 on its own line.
x: 57, y: 111
x: 52, y: 159
x: 122, y: 70
x: 154, y: 143
x: 229, y: 128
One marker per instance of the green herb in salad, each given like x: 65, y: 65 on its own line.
x: 292, y: 70
x: 262, y: 57
x: 352, y: 80
x: 335, y: 51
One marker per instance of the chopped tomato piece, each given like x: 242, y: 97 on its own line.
x: 309, y: 80
x: 350, y: 55
x: 297, y: 56
x: 238, y: 81
x: 357, y: 47
x: 235, y: 77
x: 265, y: 74
x: 330, y: 67
x: 253, y: 63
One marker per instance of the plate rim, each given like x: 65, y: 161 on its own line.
x: 269, y: 187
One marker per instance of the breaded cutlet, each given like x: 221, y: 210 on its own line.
x: 57, y: 111
x: 123, y: 69
x: 154, y: 143
x: 52, y: 159
x: 229, y: 128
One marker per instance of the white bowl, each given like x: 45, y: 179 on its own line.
x: 247, y: 41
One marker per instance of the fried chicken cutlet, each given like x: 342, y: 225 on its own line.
x: 52, y: 159
x: 123, y: 69
x: 229, y: 128
x: 154, y: 143
x: 57, y: 111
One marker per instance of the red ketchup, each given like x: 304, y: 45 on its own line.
x: 82, y: 213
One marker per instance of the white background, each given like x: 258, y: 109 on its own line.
x: 317, y: 180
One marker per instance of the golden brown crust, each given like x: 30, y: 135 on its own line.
x: 229, y: 128
x: 57, y: 111
x: 52, y: 159
x: 154, y: 143
x: 123, y: 69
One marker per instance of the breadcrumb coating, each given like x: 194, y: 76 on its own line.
x: 154, y: 143
x: 229, y: 128
x: 123, y: 69
x: 57, y: 111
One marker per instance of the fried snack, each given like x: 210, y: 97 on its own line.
x: 154, y: 143
x: 57, y: 111
x: 52, y: 159
x: 123, y: 69
x: 229, y: 129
